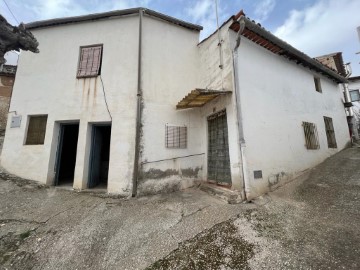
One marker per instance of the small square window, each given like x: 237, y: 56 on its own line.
x: 317, y: 84
x: 311, y: 136
x: 355, y: 95
x: 175, y: 136
x: 90, y: 61
x: 36, y: 130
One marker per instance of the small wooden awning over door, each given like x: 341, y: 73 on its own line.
x: 199, y: 97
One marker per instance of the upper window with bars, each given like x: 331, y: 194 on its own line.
x: 355, y: 95
x: 175, y: 136
x: 90, y: 61
x: 311, y: 136
x: 330, y: 132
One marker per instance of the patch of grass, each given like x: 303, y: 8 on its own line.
x: 217, y: 248
x: 25, y: 235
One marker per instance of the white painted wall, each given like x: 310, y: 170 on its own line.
x: 214, y: 78
x: 170, y: 64
x: 46, y: 84
x: 277, y: 96
x: 169, y: 72
x: 353, y: 85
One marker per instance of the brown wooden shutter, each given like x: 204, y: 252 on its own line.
x: 36, y: 130
x: 89, y: 61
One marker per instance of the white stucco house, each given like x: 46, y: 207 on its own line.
x: 130, y: 101
x: 354, y: 90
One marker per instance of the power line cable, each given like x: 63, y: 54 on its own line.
x: 105, y: 99
x: 11, y: 11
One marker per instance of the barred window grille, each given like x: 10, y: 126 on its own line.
x: 317, y: 84
x: 330, y: 132
x: 89, y: 61
x: 311, y: 136
x: 175, y: 136
x: 36, y: 130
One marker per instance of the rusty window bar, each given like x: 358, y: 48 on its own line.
x: 311, y: 136
x: 175, y: 136
x: 330, y: 132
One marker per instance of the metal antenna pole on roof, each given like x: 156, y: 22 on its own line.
x: 219, y: 44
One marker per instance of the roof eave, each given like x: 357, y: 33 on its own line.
x: 312, y: 63
x: 286, y: 48
x: 104, y: 15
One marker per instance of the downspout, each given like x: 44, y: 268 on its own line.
x: 242, y: 145
x: 138, y: 112
x: 346, y: 89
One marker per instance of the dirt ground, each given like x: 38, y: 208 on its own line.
x: 311, y: 223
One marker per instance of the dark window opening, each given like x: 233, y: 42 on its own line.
x: 90, y: 61
x: 36, y: 130
x: 317, y: 84
x: 311, y: 136
x: 330, y: 132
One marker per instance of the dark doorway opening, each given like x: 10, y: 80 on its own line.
x: 66, y: 155
x: 99, y: 156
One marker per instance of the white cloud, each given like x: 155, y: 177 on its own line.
x: 204, y: 13
x: 325, y: 27
x: 263, y: 9
x: 48, y: 9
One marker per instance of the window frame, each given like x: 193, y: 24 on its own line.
x: 354, y: 90
x: 330, y: 132
x: 317, y: 82
x: 42, y: 140
x: 178, y: 142
x: 100, y: 63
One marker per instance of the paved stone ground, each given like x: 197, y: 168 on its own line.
x: 311, y: 223
x: 49, y: 228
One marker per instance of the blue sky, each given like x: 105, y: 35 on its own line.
x: 315, y: 27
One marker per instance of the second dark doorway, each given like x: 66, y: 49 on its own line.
x: 99, y: 156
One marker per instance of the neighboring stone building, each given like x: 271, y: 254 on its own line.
x: 134, y: 103
x: 333, y: 61
x: 7, y: 78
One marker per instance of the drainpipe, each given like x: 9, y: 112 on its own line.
x: 246, y: 183
x: 138, y: 112
x: 349, y: 110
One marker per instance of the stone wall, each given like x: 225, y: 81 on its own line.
x: 6, y: 85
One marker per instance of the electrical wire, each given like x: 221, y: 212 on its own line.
x: 107, y: 106
x: 11, y: 11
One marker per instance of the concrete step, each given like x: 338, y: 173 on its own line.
x: 227, y: 195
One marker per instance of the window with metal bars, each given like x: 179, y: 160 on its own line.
x: 317, y: 84
x: 90, y: 61
x: 175, y: 136
x: 36, y: 130
x: 330, y: 132
x: 311, y: 136
x: 354, y: 95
